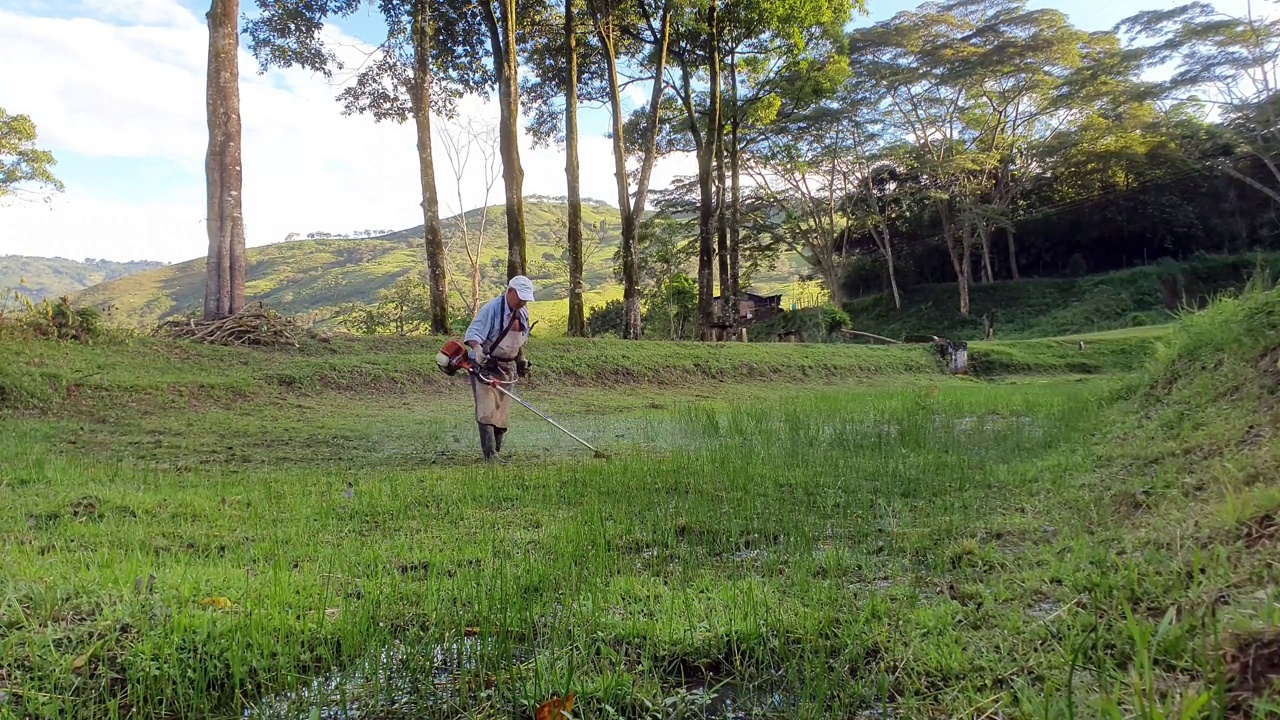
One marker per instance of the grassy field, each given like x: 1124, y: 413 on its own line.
x: 783, y: 530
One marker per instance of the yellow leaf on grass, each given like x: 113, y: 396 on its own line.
x: 217, y: 603
x: 555, y: 708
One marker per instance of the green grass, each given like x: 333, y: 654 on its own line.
x: 1037, y: 308
x: 833, y: 531
x: 1105, y: 353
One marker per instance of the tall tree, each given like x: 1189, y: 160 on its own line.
x: 696, y: 52
x: 420, y: 108
x: 798, y: 173
x: 759, y: 60
x: 428, y: 58
x: 920, y: 61
x: 781, y: 57
x: 21, y: 162
x: 224, y: 266
x: 564, y: 66
x: 501, y: 25
x: 577, y: 310
x: 873, y: 171
x: 1024, y: 91
x: 611, y: 20
x: 1229, y: 64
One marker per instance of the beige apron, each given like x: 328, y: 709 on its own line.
x: 493, y: 407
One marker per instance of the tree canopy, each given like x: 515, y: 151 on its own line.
x: 23, y: 166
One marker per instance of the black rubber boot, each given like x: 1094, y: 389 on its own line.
x: 498, y: 435
x: 488, y: 443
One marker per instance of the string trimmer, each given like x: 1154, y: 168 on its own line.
x: 454, y: 357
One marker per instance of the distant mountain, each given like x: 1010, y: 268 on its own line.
x: 41, y: 277
x: 315, y: 278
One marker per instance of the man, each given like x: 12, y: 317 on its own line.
x: 496, y: 337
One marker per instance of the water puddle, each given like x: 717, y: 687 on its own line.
x: 726, y: 701
x: 453, y: 679
x: 397, y: 683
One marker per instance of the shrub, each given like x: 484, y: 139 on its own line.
x: 54, y: 319
x: 834, y: 319
x: 607, y: 319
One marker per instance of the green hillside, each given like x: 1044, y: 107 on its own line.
x: 1063, y: 306
x: 40, y: 277
x: 315, y: 278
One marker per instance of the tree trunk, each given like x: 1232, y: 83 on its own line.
x: 631, y: 211
x: 984, y: 236
x: 630, y: 262
x: 960, y: 258
x: 432, y: 236
x: 735, y: 199
x: 577, y: 313
x: 502, y: 40
x: 225, y: 265
x: 1013, y: 253
x: 655, y: 112
x: 707, y: 232
x: 884, y: 241
x: 475, y: 288
x: 722, y: 227
x: 893, y: 282
x: 633, y: 328
x: 831, y: 275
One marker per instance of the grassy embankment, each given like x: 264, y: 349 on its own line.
x: 1040, y: 308
x: 843, y: 530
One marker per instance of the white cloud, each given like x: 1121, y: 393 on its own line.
x: 124, y: 83
x: 75, y: 226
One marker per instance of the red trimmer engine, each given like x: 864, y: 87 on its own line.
x: 453, y: 357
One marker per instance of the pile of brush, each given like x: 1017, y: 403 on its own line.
x: 254, y: 326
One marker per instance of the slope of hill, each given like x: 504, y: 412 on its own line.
x: 1048, y: 307
x: 40, y: 277
x: 315, y: 278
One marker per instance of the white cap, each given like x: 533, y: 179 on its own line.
x: 523, y: 287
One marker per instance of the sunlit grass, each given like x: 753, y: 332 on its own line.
x: 192, y: 532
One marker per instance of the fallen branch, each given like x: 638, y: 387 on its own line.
x: 877, y: 338
x: 255, y: 326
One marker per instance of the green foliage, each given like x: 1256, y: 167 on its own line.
x: 606, y: 320
x: 834, y: 319
x: 670, y: 308
x: 56, y: 319
x: 1229, y: 351
x: 22, y: 164
x: 402, y: 309
x: 1228, y: 63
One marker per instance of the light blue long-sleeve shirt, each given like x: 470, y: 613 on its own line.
x: 489, y: 321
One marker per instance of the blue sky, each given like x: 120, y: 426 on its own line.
x: 116, y: 89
